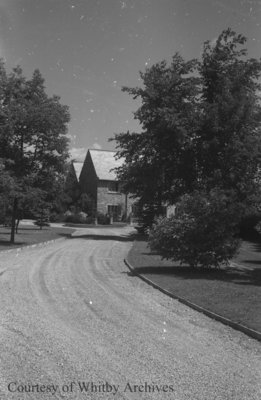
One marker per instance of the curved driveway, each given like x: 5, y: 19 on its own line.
x: 75, y: 325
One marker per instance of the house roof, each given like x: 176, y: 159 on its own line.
x: 104, y: 161
x: 77, y: 165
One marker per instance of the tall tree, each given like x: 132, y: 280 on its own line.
x: 6, y: 187
x: 159, y: 164
x: 229, y: 136
x: 228, y: 155
x: 33, y: 142
x: 201, y: 139
x: 200, y: 125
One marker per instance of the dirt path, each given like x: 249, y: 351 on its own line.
x: 71, y: 314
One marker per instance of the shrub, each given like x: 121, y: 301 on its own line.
x: 89, y: 220
x: 55, y: 217
x: 75, y: 219
x: 103, y: 219
x: 42, y: 218
x: 146, y: 216
x: 2, y: 219
x: 7, y: 221
x: 258, y: 228
x: 203, y: 233
x: 41, y: 223
x: 250, y: 225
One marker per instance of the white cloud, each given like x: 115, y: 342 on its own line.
x: 71, y: 137
x: 78, y: 153
x: 96, y: 146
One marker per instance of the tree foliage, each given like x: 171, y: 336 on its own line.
x: 33, y: 142
x: 228, y: 142
x: 158, y: 163
x: 203, y: 231
x: 200, y: 135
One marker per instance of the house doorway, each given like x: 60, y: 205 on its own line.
x: 114, y: 211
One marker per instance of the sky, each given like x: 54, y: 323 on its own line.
x: 87, y: 50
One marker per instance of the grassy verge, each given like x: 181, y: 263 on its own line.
x: 233, y: 293
x: 28, y: 235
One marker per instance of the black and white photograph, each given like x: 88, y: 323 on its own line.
x: 130, y: 199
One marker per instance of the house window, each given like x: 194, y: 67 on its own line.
x: 113, y: 187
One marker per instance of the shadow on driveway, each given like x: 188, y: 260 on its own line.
x: 119, y: 238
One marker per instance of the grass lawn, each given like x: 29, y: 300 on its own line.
x: 233, y: 292
x: 28, y: 235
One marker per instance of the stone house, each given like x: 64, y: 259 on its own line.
x: 98, y: 180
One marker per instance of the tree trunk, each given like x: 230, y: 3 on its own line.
x: 16, y: 225
x: 14, y: 212
x: 41, y: 219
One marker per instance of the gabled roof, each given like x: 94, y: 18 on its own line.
x: 103, y: 162
x: 77, y: 165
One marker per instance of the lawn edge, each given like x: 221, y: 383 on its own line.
x: 242, y: 328
x: 28, y: 246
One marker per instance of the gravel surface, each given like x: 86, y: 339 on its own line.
x: 72, y: 316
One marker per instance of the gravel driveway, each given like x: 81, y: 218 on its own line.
x: 75, y: 325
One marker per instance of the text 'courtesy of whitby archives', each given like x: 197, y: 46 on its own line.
x: 88, y: 387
